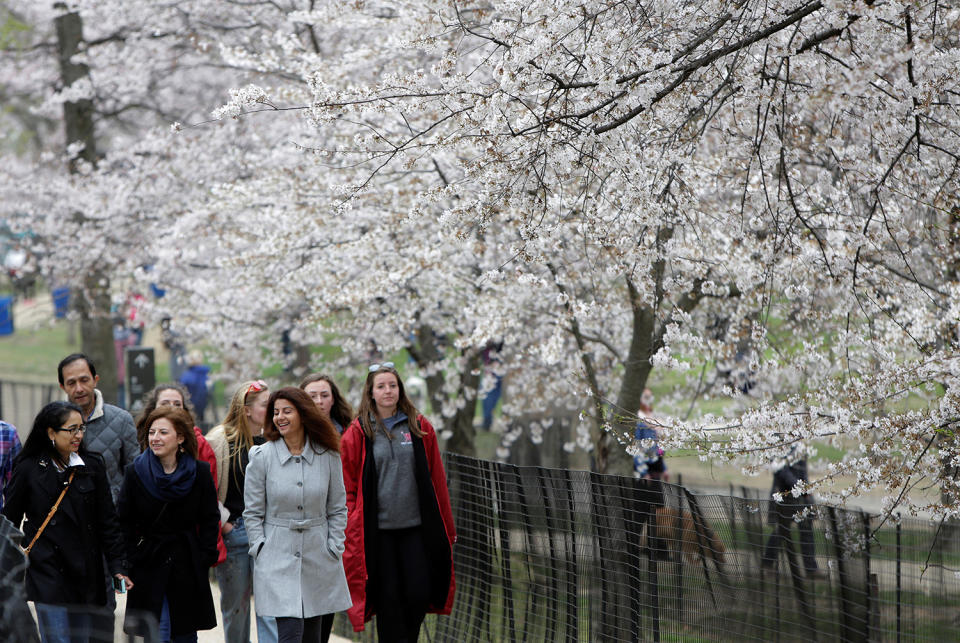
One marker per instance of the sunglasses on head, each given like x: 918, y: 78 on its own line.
x: 377, y: 367
x: 256, y: 387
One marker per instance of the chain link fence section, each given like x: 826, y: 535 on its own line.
x: 561, y: 555
x: 21, y: 401
x: 16, y: 622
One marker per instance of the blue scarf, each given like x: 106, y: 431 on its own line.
x: 166, y: 486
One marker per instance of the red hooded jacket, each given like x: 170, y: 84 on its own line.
x: 205, y: 453
x: 359, y: 478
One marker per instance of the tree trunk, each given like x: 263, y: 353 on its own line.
x: 78, y: 116
x: 429, y: 351
x: 92, y: 300
x: 461, y: 424
x: 645, y: 340
x: 948, y: 471
x: 92, y: 304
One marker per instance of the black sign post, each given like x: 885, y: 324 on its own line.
x: 141, y: 375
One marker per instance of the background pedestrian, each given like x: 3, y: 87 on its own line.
x: 782, y: 516
x: 326, y: 395
x: 331, y: 403
x: 9, y: 449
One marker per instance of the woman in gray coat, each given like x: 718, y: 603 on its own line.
x: 295, y: 514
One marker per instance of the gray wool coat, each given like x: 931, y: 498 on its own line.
x: 295, y: 514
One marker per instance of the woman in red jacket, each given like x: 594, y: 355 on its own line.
x: 400, y: 533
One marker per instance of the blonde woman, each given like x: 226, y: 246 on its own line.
x: 231, y: 442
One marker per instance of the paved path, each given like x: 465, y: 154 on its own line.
x: 206, y: 636
x: 216, y: 636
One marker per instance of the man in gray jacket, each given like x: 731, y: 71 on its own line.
x: 109, y: 429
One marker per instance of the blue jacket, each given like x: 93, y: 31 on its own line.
x: 195, y: 380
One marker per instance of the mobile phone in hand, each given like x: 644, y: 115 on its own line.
x: 119, y: 585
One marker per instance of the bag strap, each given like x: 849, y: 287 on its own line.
x: 152, y: 524
x: 53, y: 510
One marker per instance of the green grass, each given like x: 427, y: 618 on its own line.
x: 828, y: 453
x: 32, y: 354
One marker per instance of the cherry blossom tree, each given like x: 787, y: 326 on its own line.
x: 94, y: 87
x: 619, y: 192
x: 663, y: 186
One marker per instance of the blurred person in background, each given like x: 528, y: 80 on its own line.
x: 9, y: 449
x: 325, y: 394
x: 194, y: 379
x: 787, y: 475
x: 330, y: 402
x: 648, y: 462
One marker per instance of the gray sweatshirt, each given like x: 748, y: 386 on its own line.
x: 398, y: 502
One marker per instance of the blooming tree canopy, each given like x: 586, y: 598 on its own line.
x: 749, y: 200
x: 666, y: 186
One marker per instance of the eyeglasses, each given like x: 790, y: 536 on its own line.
x: 73, y: 430
x: 377, y: 367
x: 256, y: 387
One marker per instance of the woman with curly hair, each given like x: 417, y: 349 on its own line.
x: 296, y: 514
x: 176, y: 396
x: 231, y: 442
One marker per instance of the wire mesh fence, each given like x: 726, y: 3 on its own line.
x: 20, y: 401
x: 90, y: 624
x: 560, y: 555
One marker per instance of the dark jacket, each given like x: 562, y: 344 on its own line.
x: 171, y: 547
x: 439, y: 534
x: 784, y: 480
x: 66, y: 563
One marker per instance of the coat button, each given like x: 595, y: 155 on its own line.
x: 297, y: 555
x: 299, y: 507
x: 299, y: 484
x: 297, y: 460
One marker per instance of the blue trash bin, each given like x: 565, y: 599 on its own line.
x: 6, y: 315
x: 61, y: 301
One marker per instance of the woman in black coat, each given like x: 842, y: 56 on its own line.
x: 66, y: 560
x: 169, y: 517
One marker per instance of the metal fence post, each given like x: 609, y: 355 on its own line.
x: 846, y: 627
x: 899, y: 577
